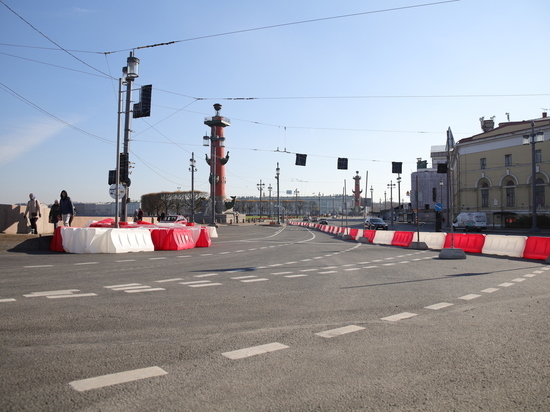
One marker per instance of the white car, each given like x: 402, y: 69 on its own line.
x: 174, y: 219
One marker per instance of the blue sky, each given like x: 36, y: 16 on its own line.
x: 381, y: 85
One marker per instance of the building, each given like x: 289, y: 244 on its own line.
x: 492, y: 171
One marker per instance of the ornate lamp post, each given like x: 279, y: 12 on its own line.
x: 260, y: 188
x: 193, y: 169
x: 277, y: 176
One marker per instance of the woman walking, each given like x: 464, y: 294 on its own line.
x: 66, y: 208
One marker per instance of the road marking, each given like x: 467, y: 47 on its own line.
x: 38, y: 266
x: 122, y: 286
x: 370, y: 267
x: 388, y: 264
x: 275, y: 265
x: 239, y: 251
x: 253, y: 280
x: 531, y: 275
x: 308, y: 270
x: 132, y: 287
x: 294, y: 276
x: 388, y: 258
x: 86, y: 263
x: 290, y: 263
x: 150, y: 289
x: 204, y: 284
x: 80, y: 295
x: 505, y: 285
x: 351, y: 269
x: 349, y: 264
x: 281, y: 273
x: 538, y: 271
x: 305, y: 260
x: 7, y: 300
x: 330, y: 267
x: 168, y: 280
x: 51, y: 293
x: 243, y: 277
x: 116, y: 378
x: 490, y: 290
x: 404, y: 261
x: 399, y: 316
x: 363, y: 263
x: 125, y: 260
x: 469, y: 297
x: 157, y: 258
x: 518, y: 280
x: 254, y: 350
x: 327, y: 272
x: 194, y: 282
x: 339, y: 331
x: 206, y: 275
x: 318, y: 257
x: 183, y: 256
x: 206, y: 254
x: 438, y: 306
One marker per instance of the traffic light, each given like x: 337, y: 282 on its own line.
x: 301, y: 159
x: 434, y: 194
x: 396, y: 167
x: 112, y: 177
x: 442, y: 168
x: 124, y: 166
x: 343, y: 163
x: 143, y: 108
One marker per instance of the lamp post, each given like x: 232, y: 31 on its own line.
x: 319, y: 204
x: 260, y: 188
x: 391, y: 185
x: 193, y: 169
x: 130, y: 74
x: 533, y: 139
x: 398, y: 196
x: 269, y: 188
x: 385, y: 205
x: 296, y: 193
x: 277, y: 175
x: 372, y: 199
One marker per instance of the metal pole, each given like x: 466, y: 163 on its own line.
x: 213, y: 173
x: 192, y: 186
x: 277, y: 175
x: 127, y: 122
x: 117, y: 203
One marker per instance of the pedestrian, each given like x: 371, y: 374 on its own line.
x: 135, y: 216
x: 66, y: 208
x: 54, y: 214
x: 140, y: 214
x: 33, y: 210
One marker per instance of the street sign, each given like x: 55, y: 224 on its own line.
x: 121, y: 191
x: 438, y: 207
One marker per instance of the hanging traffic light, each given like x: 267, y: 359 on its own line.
x: 301, y: 159
x: 124, y: 166
x: 343, y: 163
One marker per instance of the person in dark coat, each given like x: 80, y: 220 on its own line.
x: 66, y: 208
x: 55, y: 213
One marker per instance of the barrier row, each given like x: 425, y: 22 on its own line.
x: 529, y: 247
x: 130, y: 238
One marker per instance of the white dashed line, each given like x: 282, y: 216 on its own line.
x: 490, y: 290
x: 538, y: 271
x: 308, y: 270
x: 168, y: 280
x: 294, y: 276
x: 149, y: 289
x: 518, y: 280
x: 157, y: 258
x: 399, y: 316
x: 206, y: 275
x: 38, y: 266
x: 243, y: 277
x: 469, y: 297
x: 255, y: 350
x: 281, y: 273
x: 196, y: 282
x: 327, y: 272
x: 116, y: 378
x: 339, y: 331
x: 253, y: 280
x: 204, y: 285
x: 80, y: 295
x: 351, y: 269
x: 122, y: 286
x: 388, y: 264
x: 51, y: 293
x: 507, y: 284
x: 438, y: 306
x: 531, y: 275
x: 370, y: 267
x: 125, y: 260
x: 86, y: 263
x: 7, y: 300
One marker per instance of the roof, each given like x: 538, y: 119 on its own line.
x: 509, y: 128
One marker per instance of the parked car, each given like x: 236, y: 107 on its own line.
x: 323, y: 222
x: 375, y: 223
x: 314, y: 219
x: 173, y: 219
x: 305, y: 219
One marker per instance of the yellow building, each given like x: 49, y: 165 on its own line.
x: 492, y: 171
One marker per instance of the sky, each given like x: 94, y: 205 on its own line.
x: 373, y: 81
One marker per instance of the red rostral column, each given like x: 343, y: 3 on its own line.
x: 357, y: 193
x: 218, y: 159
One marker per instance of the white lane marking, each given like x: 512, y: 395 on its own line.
x: 206, y: 275
x: 351, y: 269
x: 339, y: 331
x: 253, y: 280
x: 531, y: 275
x: 329, y: 267
x: 86, y: 263
x: 150, y: 289
x: 7, y: 300
x: 506, y: 284
x: 438, y: 306
x: 469, y: 297
x: 305, y: 260
x: 116, y: 378
x: 327, y: 272
x: 399, y: 316
x: 308, y: 270
x: 349, y: 264
x: 538, y: 271
x: 518, y: 280
x: 260, y: 267
x: 388, y: 264
x: 253, y: 249
x: 275, y: 265
x: 370, y: 267
x: 122, y: 286
x: 363, y: 263
x: 157, y: 258
x: 168, y: 280
x: 243, y: 277
x: 51, y: 293
x: 194, y: 282
x: 224, y: 253
x: 389, y: 258
x: 294, y: 276
x: 80, y: 295
x: 290, y: 263
x: 281, y: 273
x: 239, y: 251
x: 38, y: 266
x: 404, y: 261
x: 206, y: 254
x: 378, y: 260
x: 416, y: 260
x: 318, y: 257
x: 125, y: 260
x: 254, y: 350
x: 545, y: 268
x: 204, y: 284
x: 183, y: 256
x: 490, y: 290
x: 132, y: 287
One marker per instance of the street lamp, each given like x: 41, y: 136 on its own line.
x: 130, y: 73
x: 277, y: 175
x: 533, y: 139
x: 391, y: 185
x: 372, y: 199
x: 269, y: 188
x: 296, y: 193
x: 193, y: 169
x: 260, y: 188
x: 398, y: 196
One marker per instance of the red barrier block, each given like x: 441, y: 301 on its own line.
x: 537, y: 248
x: 172, y: 239
x: 353, y: 233
x: 204, y: 238
x: 466, y: 242
x: 57, y: 242
x: 369, y: 234
x: 402, y: 238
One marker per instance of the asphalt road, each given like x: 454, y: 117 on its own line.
x: 273, y: 319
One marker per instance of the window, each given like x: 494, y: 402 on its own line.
x: 483, y: 163
x: 510, y: 194
x: 539, y: 192
x: 538, y: 156
x: 485, y: 195
x: 508, y: 160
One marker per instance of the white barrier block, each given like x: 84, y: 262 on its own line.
x: 504, y: 245
x: 433, y: 240
x: 383, y: 237
x: 212, y: 231
x: 127, y: 240
x: 71, y: 238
